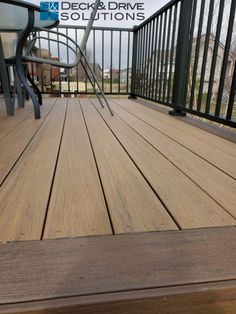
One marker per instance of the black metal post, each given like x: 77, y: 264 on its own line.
x: 5, y: 82
x: 232, y: 97
x: 182, y: 57
x: 134, y: 63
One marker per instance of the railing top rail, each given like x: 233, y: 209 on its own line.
x: 159, y: 12
x: 99, y: 28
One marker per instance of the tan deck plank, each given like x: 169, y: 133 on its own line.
x: 190, y: 205
x: 203, y: 129
x: 17, y: 140
x: 198, y: 132
x: 216, y: 183
x: 24, y: 194
x: 77, y: 206
x: 133, y: 205
x: 3, y: 111
x: 217, y: 156
x: 7, y: 123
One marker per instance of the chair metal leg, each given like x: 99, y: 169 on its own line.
x: 35, y: 88
x: 27, y: 97
x: 14, y: 94
x: 92, y: 83
x: 96, y: 80
x: 5, y: 82
x: 19, y: 90
x: 20, y: 71
x: 20, y: 66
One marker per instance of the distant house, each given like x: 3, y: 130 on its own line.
x: 219, y: 63
x: 43, y: 70
x: 107, y: 74
x: 125, y: 74
x: 66, y: 74
x: 79, y: 73
x: 160, y: 69
x: 113, y: 74
x: 49, y: 73
x: 55, y: 70
x: 116, y: 74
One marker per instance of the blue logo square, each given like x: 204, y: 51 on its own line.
x: 49, y: 11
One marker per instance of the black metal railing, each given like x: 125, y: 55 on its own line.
x: 109, y: 52
x: 184, y: 57
x: 155, y: 45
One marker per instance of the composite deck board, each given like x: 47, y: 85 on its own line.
x: 188, y: 203
x: 208, y: 298
x: 77, y: 206
x: 57, y: 168
x: 24, y: 194
x: 8, y: 123
x: 133, y: 206
x: 216, y: 183
x: 196, y: 130
x: 205, y: 131
x: 13, y: 144
x: 92, y: 266
x: 217, y: 156
x: 150, y: 180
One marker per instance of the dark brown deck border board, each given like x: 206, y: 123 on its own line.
x: 215, y: 298
x: 211, y: 127
x: 134, y: 272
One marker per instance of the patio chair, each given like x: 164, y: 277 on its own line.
x: 20, y: 17
x: 11, y: 84
x: 78, y: 50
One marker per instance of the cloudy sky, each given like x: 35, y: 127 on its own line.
x: 150, y: 7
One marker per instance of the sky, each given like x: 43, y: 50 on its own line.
x: 150, y: 7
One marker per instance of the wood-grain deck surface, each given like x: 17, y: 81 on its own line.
x: 190, y: 271
x: 80, y: 172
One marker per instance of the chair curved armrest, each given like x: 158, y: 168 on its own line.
x: 81, y: 48
x: 32, y: 42
x: 22, y: 4
x: 78, y: 51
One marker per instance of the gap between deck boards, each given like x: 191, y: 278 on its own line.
x: 133, y: 172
